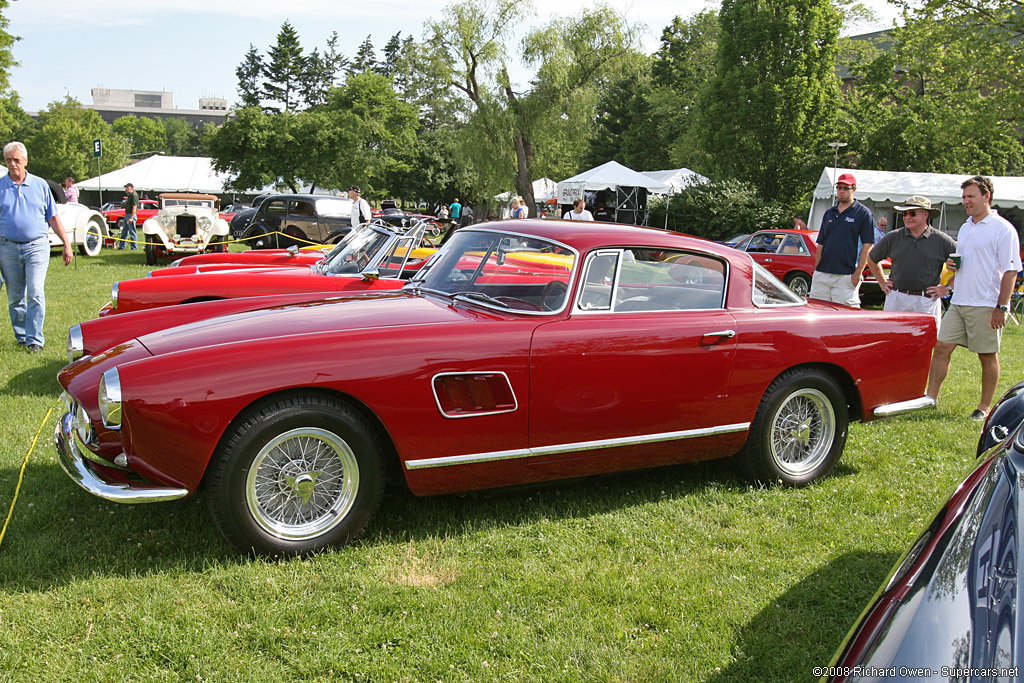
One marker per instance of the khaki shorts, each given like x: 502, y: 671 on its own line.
x: 835, y: 288
x: 970, y: 326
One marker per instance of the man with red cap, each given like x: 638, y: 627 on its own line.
x: 844, y: 240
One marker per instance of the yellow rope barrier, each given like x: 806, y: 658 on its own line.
x: 228, y: 239
x: 21, y: 475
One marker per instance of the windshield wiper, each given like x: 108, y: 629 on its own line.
x: 479, y: 296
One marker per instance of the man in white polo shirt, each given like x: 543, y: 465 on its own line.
x: 981, y: 286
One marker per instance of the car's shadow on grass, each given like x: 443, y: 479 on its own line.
x: 28, y: 381
x: 59, y: 533
x: 814, y: 613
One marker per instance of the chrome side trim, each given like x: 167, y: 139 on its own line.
x: 74, y: 466
x: 423, y: 463
x: 901, y: 407
x: 437, y: 400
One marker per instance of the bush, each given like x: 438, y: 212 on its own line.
x: 718, y: 210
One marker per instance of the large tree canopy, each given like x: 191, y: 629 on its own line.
x: 770, y: 109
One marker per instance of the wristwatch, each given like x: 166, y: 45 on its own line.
x: 1004, y: 309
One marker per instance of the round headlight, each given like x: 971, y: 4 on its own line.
x: 83, y: 425
x: 110, y: 399
x: 76, y: 345
x: 166, y: 220
x: 205, y: 223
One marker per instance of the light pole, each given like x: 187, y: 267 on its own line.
x: 836, y: 146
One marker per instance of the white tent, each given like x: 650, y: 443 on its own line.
x: 677, y: 179
x: 882, y: 190
x: 607, y: 176
x: 162, y: 174
x: 543, y: 190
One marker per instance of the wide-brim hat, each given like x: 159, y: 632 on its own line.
x: 916, y: 202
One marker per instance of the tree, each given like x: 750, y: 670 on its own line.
x: 15, y: 124
x: 61, y: 144
x: 719, y: 210
x: 365, y: 59
x: 322, y: 71
x: 283, y: 70
x: 770, y: 109
x: 250, y: 77
x: 182, y: 139
x: 143, y: 134
x: 392, y: 53
x: 573, y: 58
x: 7, y: 41
x: 944, y: 98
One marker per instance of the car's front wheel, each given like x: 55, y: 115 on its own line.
x: 257, y: 237
x: 93, y: 239
x: 150, y: 251
x: 295, y: 474
x: 800, y: 283
x: 799, y: 430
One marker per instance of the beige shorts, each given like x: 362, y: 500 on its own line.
x: 970, y: 326
x: 836, y: 288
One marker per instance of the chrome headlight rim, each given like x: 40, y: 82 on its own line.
x: 205, y: 223
x: 75, y: 344
x: 166, y: 221
x: 110, y: 399
x: 113, y: 294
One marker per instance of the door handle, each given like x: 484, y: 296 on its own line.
x: 767, y: 260
x: 726, y: 334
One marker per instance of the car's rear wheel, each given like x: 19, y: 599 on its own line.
x: 799, y: 430
x: 799, y: 283
x: 257, y: 237
x: 150, y: 252
x: 93, y: 240
x: 294, y: 475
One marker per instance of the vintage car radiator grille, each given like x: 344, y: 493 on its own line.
x: 186, y: 225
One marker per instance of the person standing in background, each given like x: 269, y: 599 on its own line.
x: 27, y: 212
x: 70, y: 191
x: 844, y: 240
x: 129, y: 236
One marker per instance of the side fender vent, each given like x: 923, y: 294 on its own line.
x: 471, y: 394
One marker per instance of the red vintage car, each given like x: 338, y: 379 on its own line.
x: 523, y: 351
x: 147, y: 209
x: 378, y: 251
x: 789, y: 255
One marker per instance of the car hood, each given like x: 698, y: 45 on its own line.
x: 388, y: 309
x: 952, y: 602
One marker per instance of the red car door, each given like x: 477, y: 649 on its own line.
x: 633, y: 372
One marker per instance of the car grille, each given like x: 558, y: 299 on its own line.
x: 186, y: 226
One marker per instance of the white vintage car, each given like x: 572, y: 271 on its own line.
x: 84, y: 227
x: 187, y: 223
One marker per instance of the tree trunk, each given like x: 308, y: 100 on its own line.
x: 524, y: 164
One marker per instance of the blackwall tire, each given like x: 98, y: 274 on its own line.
x: 150, y: 252
x: 799, y: 430
x: 294, y: 475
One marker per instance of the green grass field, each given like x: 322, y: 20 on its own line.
x: 678, y: 574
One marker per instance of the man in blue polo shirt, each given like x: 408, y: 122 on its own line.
x: 27, y: 211
x: 844, y: 240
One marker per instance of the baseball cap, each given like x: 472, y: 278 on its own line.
x: 847, y: 179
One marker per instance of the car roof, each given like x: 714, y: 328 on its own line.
x: 186, y: 195
x: 586, y: 236
x: 304, y: 196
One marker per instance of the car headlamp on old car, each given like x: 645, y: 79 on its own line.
x: 76, y: 344
x: 205, y: 223
x: 113, y: 295
x: 166, y: 221
x: 110, y: 399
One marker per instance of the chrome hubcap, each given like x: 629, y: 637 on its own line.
x: 802, y: 432
x: 302, y: 483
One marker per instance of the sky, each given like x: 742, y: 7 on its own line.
x: 192, y: 47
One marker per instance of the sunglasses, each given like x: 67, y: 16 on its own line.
x: 915, y: 212
x: 845, y: 187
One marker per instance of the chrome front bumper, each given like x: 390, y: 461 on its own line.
x: 76, y: 466
x: 890, y: 409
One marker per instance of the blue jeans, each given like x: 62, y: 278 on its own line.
x: 24, y: 268
x: 128, y: 233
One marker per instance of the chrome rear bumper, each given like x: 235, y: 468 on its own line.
x: 890, y: 409
x: 76, y: 466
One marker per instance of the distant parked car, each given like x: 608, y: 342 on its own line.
x: 302, y: 218
x: 84, y: 226
x: 115, y: 214
x: 188, y: 223
x: 240, y: 221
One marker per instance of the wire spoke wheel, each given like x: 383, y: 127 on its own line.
x: 302, y: 483
x: 802, y: 431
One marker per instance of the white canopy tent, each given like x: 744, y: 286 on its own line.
x: 162, y: 174
x: 880, y: 191
x: 626, y: 199
x: 677, y: 179
x: 543, y: 190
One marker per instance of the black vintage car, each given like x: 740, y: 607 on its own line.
x: 243, y: 217
x: 949, y: 609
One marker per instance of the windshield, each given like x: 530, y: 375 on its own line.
x: 357, y: 250
x: 501, y: 270
x: 203, y: 203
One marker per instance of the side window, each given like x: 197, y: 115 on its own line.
x: 300, y: 209
x: 596, y: 294
x: 275, y: 208
x: 794, y: 244
x: 763, y: 243
x: 660, y: 280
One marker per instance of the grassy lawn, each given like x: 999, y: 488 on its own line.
x: 678, y: 574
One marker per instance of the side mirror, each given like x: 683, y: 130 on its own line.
x: 371, y: 275
x: 293, y: 250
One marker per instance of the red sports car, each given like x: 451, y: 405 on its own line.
x: 377, y: 251
x: 523, y: 351
x: 789, y: 255
x: 147, y: 209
